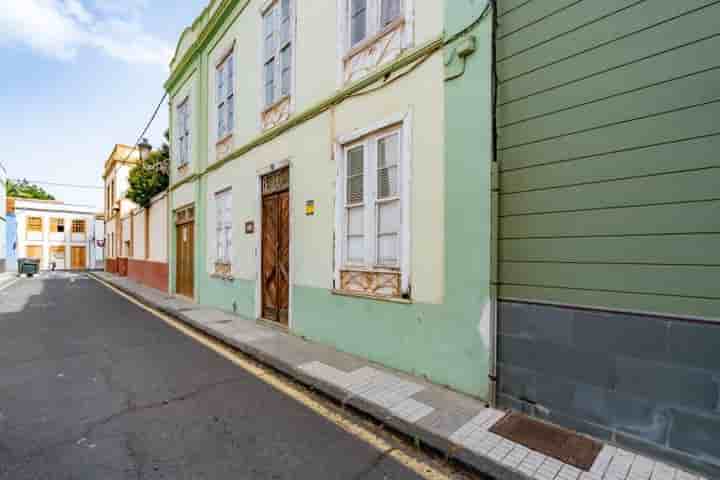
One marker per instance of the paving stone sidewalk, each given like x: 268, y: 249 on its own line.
x: 453, y: 423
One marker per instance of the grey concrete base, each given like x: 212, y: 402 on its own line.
x: 649, y: 383
x: 438, y: 417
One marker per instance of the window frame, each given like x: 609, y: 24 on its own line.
x: 275, y: 8
x: 374, y: 27
x: 222, y: 225
x: 80, y: 222
x: 184, y: 134
x: 28, y: 222
x: 370, y: 137
x: 56, y: 223
x: 225, y: 75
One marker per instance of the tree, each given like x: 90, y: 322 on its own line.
x: 150, y: 176
x: 25, y: 189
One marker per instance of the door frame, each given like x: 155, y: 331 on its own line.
x: 174, y: 239
x: 272, y: 168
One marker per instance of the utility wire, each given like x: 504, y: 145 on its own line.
x: 147, y: 127
x: 53, y: 184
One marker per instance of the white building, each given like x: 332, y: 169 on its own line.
x: 59, y: 233
x: 3, y: 219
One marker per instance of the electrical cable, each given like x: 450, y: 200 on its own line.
x: 54, y: 184
x: 147, y: 127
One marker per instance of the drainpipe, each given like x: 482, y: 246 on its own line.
x: 495, y: 212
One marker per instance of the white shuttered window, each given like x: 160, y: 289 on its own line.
x: 223, y: 226
x: 182, y: 122
x: 366, y: 18
x: 225, y: 96
x: 278, y: 22
x: 373, y: 202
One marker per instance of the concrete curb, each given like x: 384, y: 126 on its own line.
x: 442, y: 444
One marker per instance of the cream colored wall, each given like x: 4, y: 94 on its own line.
x: 158, y: 230
x: 316, y: 64
x: 185, y: 195
x: 125, y: 237
x: 138, y: 225
x: 309, y: 148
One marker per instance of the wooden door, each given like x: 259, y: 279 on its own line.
x: 276, y: 257
x: 185, y: 269
x: 78, y: 258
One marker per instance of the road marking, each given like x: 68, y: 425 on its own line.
x: 271, y: 378
x: 10, y: 284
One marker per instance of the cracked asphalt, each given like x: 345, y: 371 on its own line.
x: 94, y: 387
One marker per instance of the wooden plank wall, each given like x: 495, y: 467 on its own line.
x: 609, y: 153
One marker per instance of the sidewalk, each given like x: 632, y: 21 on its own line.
x: 448, y: 421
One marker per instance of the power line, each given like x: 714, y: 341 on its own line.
x: 54, y: 184
x: 147, y: 127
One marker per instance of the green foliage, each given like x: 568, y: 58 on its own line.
x: 25, y: 189
x: 150, y: 177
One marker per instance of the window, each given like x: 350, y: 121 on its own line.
x: 183, y: 135
x: 34, y: 224
x: 277, y: 51
x: 78, y: 226
x: 57, y: 225
x: 373, y: 212
x: 225, y: 95
x: 362, y: 24
x: 223, y: 226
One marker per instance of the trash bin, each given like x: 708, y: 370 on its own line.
x: 28, y: 266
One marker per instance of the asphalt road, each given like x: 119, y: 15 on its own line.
x: 94, y: 387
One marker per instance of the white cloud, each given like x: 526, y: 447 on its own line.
x: 61, y: 28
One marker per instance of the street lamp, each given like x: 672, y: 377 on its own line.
x: 144, y: 149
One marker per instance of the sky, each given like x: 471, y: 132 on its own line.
x: 79, y: 76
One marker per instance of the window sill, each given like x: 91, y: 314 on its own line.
x: 345, y: 293
x: 224, y: 140
x: 275, y: 104
x: 222, y: 276
x: 370, y: 41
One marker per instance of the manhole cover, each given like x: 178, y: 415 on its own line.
x: 555, y: 442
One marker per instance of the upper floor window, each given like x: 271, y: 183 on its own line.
x: 225, y: 95
x: 367, y: 18
x: 78, y: 226
x: 277, y: 51
x: 183, y: 135
x: 223, y: 227
x: 34, y: 224
x: 57, y: 225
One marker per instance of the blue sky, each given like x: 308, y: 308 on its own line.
x: 79, y: 76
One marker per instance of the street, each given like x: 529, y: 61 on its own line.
x: 94, y: 387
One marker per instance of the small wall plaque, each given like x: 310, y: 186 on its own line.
x: 249, y: 227
x: 310, y: 208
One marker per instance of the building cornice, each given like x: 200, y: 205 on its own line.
x: 205, y: 35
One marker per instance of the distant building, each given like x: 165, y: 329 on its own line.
x: 57, y: 233
x: 3, y: 220
x: 136, y: 238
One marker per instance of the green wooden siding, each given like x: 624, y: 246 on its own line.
x: 609, y: 154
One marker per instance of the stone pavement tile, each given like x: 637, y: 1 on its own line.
x: 411, y: 410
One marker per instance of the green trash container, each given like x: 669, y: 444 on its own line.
x: 28, y: 266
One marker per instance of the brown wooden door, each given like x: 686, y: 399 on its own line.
x: 185, y: 269
x: 77, y: 258
x: 276, y: 257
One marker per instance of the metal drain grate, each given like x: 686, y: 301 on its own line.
x: 555, y: 442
